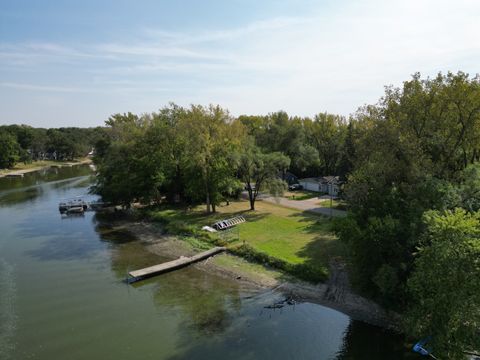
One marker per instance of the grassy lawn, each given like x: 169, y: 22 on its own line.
x: 286, y: 234
x: 301, y: 194
x: 335, y: 204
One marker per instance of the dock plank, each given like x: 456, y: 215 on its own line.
x: 174, y: 264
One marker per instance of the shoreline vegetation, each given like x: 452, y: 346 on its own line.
x: 252, y: 261
x: 334, y: 293
x: 21, y: 169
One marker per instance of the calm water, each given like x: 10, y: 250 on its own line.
x: 62, y: 295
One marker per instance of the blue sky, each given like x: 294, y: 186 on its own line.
x: 74, y: 63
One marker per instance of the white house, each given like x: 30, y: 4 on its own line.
x: 311, y: 184
x: 326, y: 184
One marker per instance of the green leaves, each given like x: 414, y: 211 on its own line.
x: 259, y: 171
x: 9, y: 150
x: 179, y: 153
x: 445, y: 283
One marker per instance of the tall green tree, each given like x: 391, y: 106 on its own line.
x: 260, y: 172
x: 326, y: 133
x: 9, y: 150
x: 213, y: 138
x: 408, y: 149
x: 445, y: 284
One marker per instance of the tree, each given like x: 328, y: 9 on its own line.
x: 445, y: 283
x: 65, y: 147
x: 259, y: 171
x: 327, y: 135
x: 9, y: 150
x: 408, y: 153
x: 469, y: 188
x: 277, y: 132
x: 129, y: 166
x: 212, y: 139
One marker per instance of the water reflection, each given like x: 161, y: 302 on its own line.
x: 64, y: 247
x: 24, y: 195
x: 112, y: 234
x: 380, y: 343
x: 188, y: 314
x: 44, y: 176
x: 208, y: 303
x: 30, y: 187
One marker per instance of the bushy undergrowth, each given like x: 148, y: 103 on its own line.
x: 302, y: 271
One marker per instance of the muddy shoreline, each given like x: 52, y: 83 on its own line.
x: 335, y: 293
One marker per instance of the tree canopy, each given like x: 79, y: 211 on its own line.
x: 445, y: 283
x: 412, y: 157
x: 29, y: 144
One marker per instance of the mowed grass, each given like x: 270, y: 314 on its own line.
x: 334, y: 204
x: 301, y: 194
x: 287, y: 234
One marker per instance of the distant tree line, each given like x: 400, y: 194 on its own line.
x: 22, y: 143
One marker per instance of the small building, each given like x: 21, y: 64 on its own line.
x: 288, y: 177
x: 327, y: 184
x: 311, y: 184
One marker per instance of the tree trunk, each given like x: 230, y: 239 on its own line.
x: 208, y: 203
x: 252, y: 200
x: 214, y: 208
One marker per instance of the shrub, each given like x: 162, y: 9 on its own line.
x: 303, y: 271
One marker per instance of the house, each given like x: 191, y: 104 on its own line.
x: 288, y: 177
x: 326, y: 184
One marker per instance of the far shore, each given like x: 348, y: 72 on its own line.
x: 41, y: 165
x: 335, y: 293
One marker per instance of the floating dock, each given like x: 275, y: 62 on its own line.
x: 183, y: 261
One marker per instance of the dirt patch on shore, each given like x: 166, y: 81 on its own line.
x: 335, y: 293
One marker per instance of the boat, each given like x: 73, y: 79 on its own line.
x: 65, y: 206
x: 75, y: 210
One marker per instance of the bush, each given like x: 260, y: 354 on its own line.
x: 303, y: 271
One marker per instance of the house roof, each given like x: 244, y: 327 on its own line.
x: 323, y: 180
x: 312, y: 180
x: 331, y: 179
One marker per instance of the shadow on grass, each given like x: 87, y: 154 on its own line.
x: 197, y: 217
x: 325, y: 244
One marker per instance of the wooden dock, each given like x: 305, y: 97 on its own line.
x: 172, y: 265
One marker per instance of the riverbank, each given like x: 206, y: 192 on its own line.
x: 21, y: 169
x: 335, y: 293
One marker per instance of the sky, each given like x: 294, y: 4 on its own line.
x: 75, y: 63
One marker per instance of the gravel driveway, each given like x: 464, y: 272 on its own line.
x: 310, y: 205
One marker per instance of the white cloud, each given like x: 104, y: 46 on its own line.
x: 332, y: 61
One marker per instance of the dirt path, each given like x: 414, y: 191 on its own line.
x: 309, y: 205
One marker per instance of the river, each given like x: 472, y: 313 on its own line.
x: 62, y: 295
